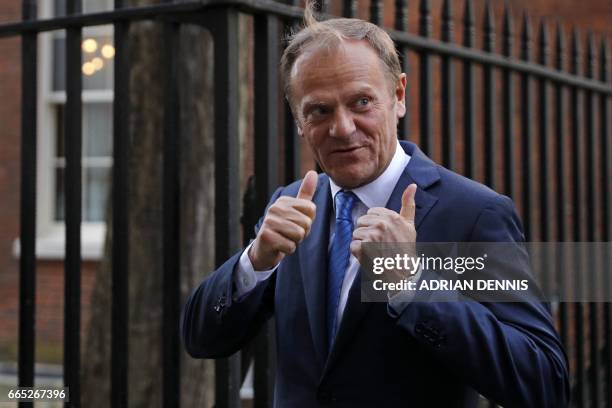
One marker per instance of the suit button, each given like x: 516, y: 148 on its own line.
x: 220, y: 304
x: 419, y: 328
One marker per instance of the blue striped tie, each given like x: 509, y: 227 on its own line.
x: 339, y: 258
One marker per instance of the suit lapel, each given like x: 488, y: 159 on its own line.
x: 424, y: 201
x: 313, y: 256
x: 422, y: 171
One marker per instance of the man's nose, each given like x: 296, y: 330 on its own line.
x: 342, y: 124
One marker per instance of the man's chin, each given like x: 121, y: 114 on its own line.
x: 350, y: 180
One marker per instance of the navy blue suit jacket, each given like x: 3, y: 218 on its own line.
x: 434, y: 354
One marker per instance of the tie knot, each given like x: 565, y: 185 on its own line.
x: 345, y: 200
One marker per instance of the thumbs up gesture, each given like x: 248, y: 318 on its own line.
x: 285, y: 225
x: 383, y: 225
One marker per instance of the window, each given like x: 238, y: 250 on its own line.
x: 97, y: 50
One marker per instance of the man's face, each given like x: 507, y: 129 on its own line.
x: 346, y: 111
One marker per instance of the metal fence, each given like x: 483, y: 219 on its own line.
x: 563, y: 195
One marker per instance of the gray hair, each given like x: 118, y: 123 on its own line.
x: 329, y: 34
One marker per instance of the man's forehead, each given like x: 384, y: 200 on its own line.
x: 314, y: 53
x: 351, y: 66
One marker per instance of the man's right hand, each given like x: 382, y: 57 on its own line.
x: 285, y: 225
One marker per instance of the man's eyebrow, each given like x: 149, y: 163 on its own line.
x: 312, y: 104
x: 362, y: 89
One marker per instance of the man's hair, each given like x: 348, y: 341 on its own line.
x: 331, y: 33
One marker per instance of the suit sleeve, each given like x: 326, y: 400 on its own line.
x: 508, y: 352
x: 213, y: 323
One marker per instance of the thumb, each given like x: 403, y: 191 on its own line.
x: 309, y: 186
x: 408, y: 205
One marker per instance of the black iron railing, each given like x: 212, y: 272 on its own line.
x: 573, y: 112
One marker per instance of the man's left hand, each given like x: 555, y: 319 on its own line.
x: 386, y: 226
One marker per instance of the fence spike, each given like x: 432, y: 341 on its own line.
x: 425, y: 18
x: 468, y: 24
x: 376, y: 12
x: 447, y: 21
x: 508, y: 104
x: 525, y: 38
x: 489, y: 28
x: 489, y: 23
x: 401, y: 24
x: 401, y: 20
x: 447, y: 90
x: 490, y: 142
x: 349, y: 8
x: 507, y: 32
x: 560, y: 47
x: 604, y: 60
x: 605, y: 171
x: 543, y: 43
x: 576, y: 52
x: 590, y: 55
x: 425, y: 78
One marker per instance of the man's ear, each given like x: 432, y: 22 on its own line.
x: 400, y: 96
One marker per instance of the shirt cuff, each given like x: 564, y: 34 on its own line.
x: 398, y: 301
x: 245, y: 276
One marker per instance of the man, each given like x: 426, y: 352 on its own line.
x: 345, y: 87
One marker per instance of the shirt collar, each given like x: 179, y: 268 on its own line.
x: 377, y: 192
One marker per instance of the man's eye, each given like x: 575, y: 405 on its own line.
x: 319, y: 110
x: 363, y: 102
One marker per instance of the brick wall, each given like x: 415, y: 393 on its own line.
x: 587, y: 15
x: 49, y: 282
x: 49, y: 308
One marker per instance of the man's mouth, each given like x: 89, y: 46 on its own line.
x: 345, y: 150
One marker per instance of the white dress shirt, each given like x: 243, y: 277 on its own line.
x: 373, y: 194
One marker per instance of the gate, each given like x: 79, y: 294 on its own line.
x: 558, y: 106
